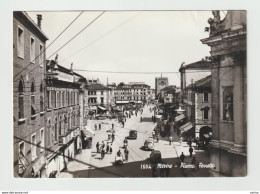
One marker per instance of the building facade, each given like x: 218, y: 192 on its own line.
x: 227, y: 40
x: 29, y: 43
x: 63, y: 140
x: 98, y: 97
x: 133, y: 92
x: 160, y: 83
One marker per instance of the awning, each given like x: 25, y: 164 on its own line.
x: 206, y: 135
x: 205, y: 108
x: 122, y: 102
x: 158, y: 116
x: 186, y: 127
x: 102, y: 108
x: 180, y: 117
x: 88, y: 131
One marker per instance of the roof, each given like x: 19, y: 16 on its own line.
x: 169, y: 89
x: 199, y: 65
x: 52, y: 64
x: 97, y: 87
x: 202, y: 83
x: 23, y: 14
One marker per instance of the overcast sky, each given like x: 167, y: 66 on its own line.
x: 143, y: 41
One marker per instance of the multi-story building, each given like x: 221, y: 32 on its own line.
x: 63, y: 132
x: 29, y: 132
x: 98, y: 97
x: 201, y: 99
x: 168, y: 95
x: 136, y: 92
x: 227, y: 40
x: 160, y: 83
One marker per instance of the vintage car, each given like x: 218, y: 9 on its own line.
x: 149, y: 144
x: 132, y: 134
x: 155, y: 157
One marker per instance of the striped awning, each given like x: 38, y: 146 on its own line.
x: 180, y: 117
x: 186, y: 127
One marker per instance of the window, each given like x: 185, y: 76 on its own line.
x: 63, y: 98
x: 77, y: 98
x: 60, y: 123
x: 102, y: 100
x: 228, y: 104
x: 206, y: 114
x: 33, y: 106
x: 53, y: 99
x: 55, y: 130
x: 41, y: 98
x: 206, y: 97
x: 20, y: 42
x: 49, y: 99
x: 58, y: 99
x: 71, y: 98
x: 41, y: 56
x: 20, y: 100
x: 32, y: 50
x: 33, y: 147
x: 102, y: 92
x: 22, y: 161
x: 42, y: 140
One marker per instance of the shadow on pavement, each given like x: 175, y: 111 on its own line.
x: 141, y: 169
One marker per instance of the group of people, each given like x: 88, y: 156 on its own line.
x: 99, y: 126
x: 104, y: 148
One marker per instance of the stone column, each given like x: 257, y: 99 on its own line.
x: 238, y: 103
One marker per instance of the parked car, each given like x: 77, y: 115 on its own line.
x: 149, y: 144
x: 155, y: 157
x: 132, y: 134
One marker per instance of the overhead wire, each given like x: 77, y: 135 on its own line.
x: 50, y: 44
x: 68, y: 41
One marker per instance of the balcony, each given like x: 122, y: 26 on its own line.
x: 65, y: 139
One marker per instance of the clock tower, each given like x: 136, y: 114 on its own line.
x: 160, y: 83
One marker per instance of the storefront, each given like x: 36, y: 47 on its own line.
x: 86, y: 136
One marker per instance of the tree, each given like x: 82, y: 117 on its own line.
x: 121, y: 84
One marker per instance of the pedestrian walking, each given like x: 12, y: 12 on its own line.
x: 126, y: 154
x: 99, y: 126
x: 97, y: 146
x: 95, y: 126
x: 113, y: 137
x: 141, y: 119
x: 110, y: 149
x: 194, y: 162
x: 157, y: 138
x: 123, y: 124
x: 170, y: 140
x: 191, y: 150
x: 107, y: 149
x: 113, y: 125
x: 180, y: 140
x: 102, y: 153
x: 125, y: 143
x: 182, y: 157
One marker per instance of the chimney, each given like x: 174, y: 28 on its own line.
x: 71, y: 67
x: 39, y: 20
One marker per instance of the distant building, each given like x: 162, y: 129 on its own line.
x: 132, y: 92
x: 29, y: 43
x: 227, y: 40
x: 168, y: 94
x: 98, y: 98
x: 160, y: 83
